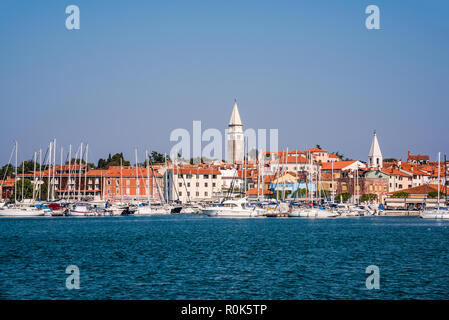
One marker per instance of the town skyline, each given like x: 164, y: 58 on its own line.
x: 311, y: 70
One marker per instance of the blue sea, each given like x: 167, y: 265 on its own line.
x: 198, y: 257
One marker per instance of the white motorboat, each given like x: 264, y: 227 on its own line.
x: 233, y: 208
x: 145, y: 210
x: 79, y: 210
x: 437, y: 213
x: 317, y: 213
x: 21, y: 212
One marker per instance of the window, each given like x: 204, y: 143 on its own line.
x: 214, y: 184
x: 188, y: 176
x: 180, y: 193
x: 197, y: 194
x: 205, y: 184
x: 205, y: 194
x: 117, y: 182
x: 180, y: 184
x: 206, y: 176
x: 188, y: 193
x: 127, y: 182
x: 188, y: 184
x: 127, y: 191
x: 214, y: 176
x: 197, y: 184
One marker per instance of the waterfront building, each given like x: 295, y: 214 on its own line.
x: 340, y: 166
x: 234, y: 138
x: 7, y: 188
x: 417, y: 196
x: 193, y: 183
x: 398, y: 179
x: 261, y: 194
x: 322, y: 156
x: 359, y: 182
x: 417, y: 159
x: 115, y: 183
x: 376, y: 182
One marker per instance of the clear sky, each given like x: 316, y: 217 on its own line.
x: 138, y: 69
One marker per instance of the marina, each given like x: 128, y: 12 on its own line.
x: 197, y: 257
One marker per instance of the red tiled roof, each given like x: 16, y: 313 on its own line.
x: 316, y: 150
x: 395, y: 172
x: 337, y: 165
x: 253, y: 191
x: 293, y: 159
x: 422, y: 189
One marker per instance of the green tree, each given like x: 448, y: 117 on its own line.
x: 343, y: 197
x: 434, y: 194
x: 300, y: 193
x: 102, y: 163
x: 401, y: 194
x: 6, y: 171
x: 340, y: 155
x: 369, y: 197
x: 157, y: 157
x: 27, y: 190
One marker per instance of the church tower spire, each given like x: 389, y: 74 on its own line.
x: 234, y: 138
x: 375, y: 155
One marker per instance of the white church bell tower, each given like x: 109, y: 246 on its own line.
x: 375, y: 155
x: 234, y: 138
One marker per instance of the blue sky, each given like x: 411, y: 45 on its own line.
x: 138, y: 69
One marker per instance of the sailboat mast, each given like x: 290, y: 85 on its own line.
x: 70, y: 166
x: 332, y: 190
x: 40, y: 173
x: 79, y: 171
x: 439, y: 153
x: 60, y: 174
x: 445, y: 178
x: 148, y: 176
x: 166, y: 177
x: 23, y: 178
x: 121, y: 182
x: 53, y: 171
x: 85, y: 170
x: 137, y: 174
x: 49, y: 171
x: 34, y: 175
